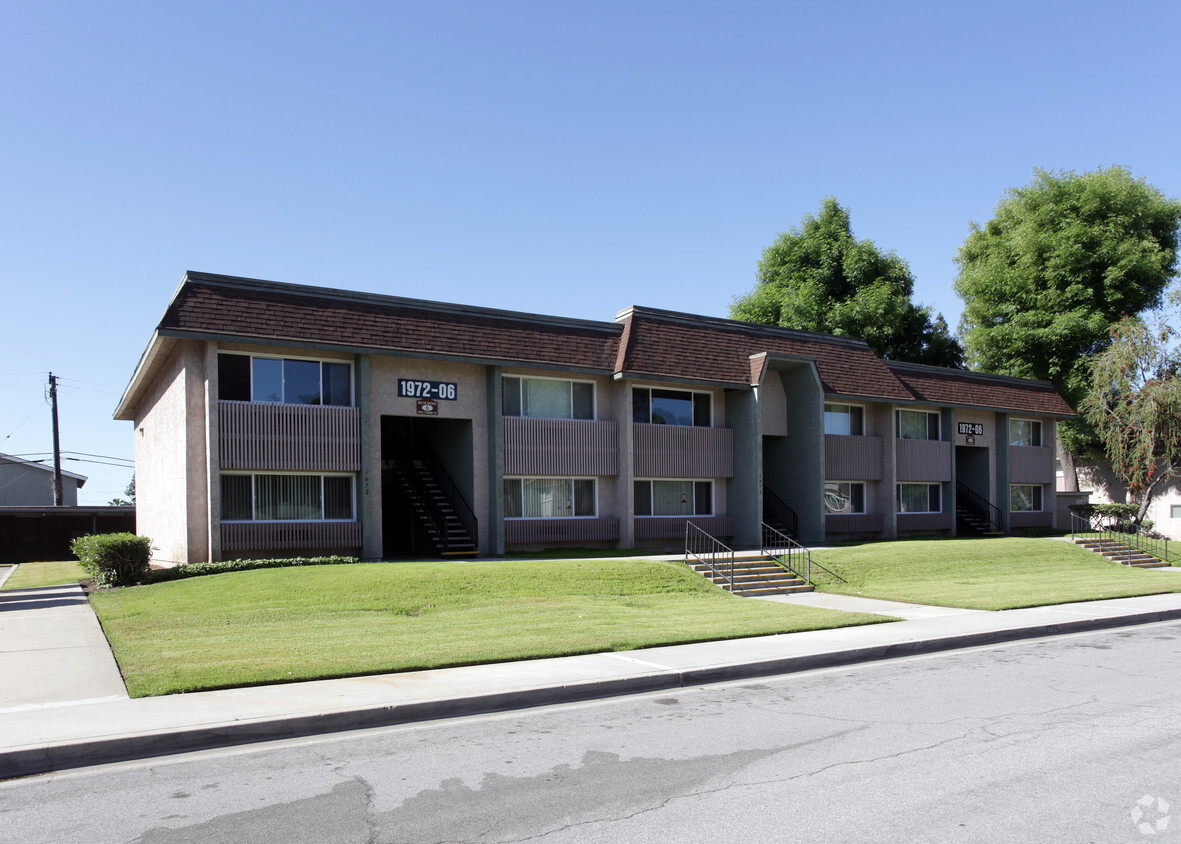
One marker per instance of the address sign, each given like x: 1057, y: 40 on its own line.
x: 437, y: 390
x: 972, y: 429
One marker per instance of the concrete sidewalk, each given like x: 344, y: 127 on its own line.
x: 57, y: 736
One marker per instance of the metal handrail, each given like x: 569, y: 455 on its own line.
x: 454, y: 495
x: 790, y: 553
x: 776, y: 507
x: 708, y: 551
x: 980, y: 506
x: 1099, y: 526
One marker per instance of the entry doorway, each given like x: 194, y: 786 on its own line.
x: 418, y: 446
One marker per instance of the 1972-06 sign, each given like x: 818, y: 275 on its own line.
x: 437, y: 390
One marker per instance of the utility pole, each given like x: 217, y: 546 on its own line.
x: 57, y: 454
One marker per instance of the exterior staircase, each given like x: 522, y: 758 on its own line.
x: 754, y: 576
x: 975, y: 515
x: 433, y: 508
x: 1121, y: 552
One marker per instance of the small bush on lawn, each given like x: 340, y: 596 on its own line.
x: 114, y: 559
x: 199, y: 569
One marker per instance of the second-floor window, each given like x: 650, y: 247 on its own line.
x: 549, y: 398
x: 847, y: 419
x: 918, y: 425
x: 283, y: 380
x: 671, y: 407
x: 1025, y: 432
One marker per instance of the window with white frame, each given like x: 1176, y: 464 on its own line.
x: 271, y: 497
x: 242, y: 377
x: 920, y: 498
x: 1025, y: 432
x: 918, y: 425
x: 549, y: 498
x: 548, y: 398
x: 1025, y: 498
x: 1175, y: 511
x: 671, y: 407
x: 847, y: 419
x: 674, y: 498
x: 844, y: 497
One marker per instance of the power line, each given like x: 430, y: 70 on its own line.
x: 23, y: 421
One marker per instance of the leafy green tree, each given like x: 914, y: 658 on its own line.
x: 818, y: 277
x: 1134, y: 402
x: 1062, y: 259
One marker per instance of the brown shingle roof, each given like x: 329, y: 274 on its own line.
x: 227, y: 307
x: 976, y: 389
x: 706, y: 349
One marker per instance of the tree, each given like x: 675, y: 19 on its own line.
x: 818, y: 277
x: 1062, y: 259
x: 1134, y: 402
x: 130, y: 491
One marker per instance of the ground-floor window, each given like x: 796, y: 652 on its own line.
x: 919, y: 498
x: 844, y: 497
x: 1025, y: 498
x: 287, y: 498
x: 674, y: 498
x: 548, y: 498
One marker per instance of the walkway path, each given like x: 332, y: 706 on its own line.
x: 53, y: 651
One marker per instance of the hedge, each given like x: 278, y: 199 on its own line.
x: 114, y: 559
x: 200, y: 569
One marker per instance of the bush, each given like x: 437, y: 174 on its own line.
x: 114, y: 559
x: 199, y: 569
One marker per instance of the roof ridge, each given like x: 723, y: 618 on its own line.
x: 738, y: 325
x: 337, y: 294
x: 966, y: 373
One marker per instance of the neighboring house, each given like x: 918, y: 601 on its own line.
x: 1164, y: 510
x: 27, y: 483
x: 273, y: 417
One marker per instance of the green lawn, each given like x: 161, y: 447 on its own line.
x: 306, y: 623
x: 30, y: 575
x: 986, y: 574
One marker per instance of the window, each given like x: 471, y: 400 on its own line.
x: 549, y: 398
x: 919, y: 498
x: 1025, y: 498
x: 674, y: 498
x: 283, y: 380
x: 1175, y: 511
x: 1025, y: 432
x: 286, y: 498
x: 918, y: 425
x: 847, y: 419
x: 671, y: 407
x: 844, y: 497
x: 548, y: 498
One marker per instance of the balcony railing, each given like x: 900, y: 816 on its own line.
x: 682, y: 451
x: 289, y: 437
x: 924, y: 460
x: 560, y: 530
x: 852, y: 458
x: 1031, y: 464
x: 289, y: 536
x: 560, y: 447
x: 673, y: 527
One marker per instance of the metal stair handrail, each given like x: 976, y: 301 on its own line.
x: 787, y: 551
x: 979, y: 506
x: 710, y: 552
x: 452, y: 492
x: 1099, y: 527
x: 420, y: 497
x: 776, y: 507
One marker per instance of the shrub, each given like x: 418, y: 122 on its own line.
x: 199, y: 569
x: 114, y: 559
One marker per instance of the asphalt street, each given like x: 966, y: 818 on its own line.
x: 1064, y: 739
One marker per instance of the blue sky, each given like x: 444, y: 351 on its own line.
x: 566, y: 158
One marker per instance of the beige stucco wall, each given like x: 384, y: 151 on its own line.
x: 170, y: 479
x: 773, y: 402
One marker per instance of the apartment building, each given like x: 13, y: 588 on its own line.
x: 275, y: 418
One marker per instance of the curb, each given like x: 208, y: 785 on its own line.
x: 41, y: 760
